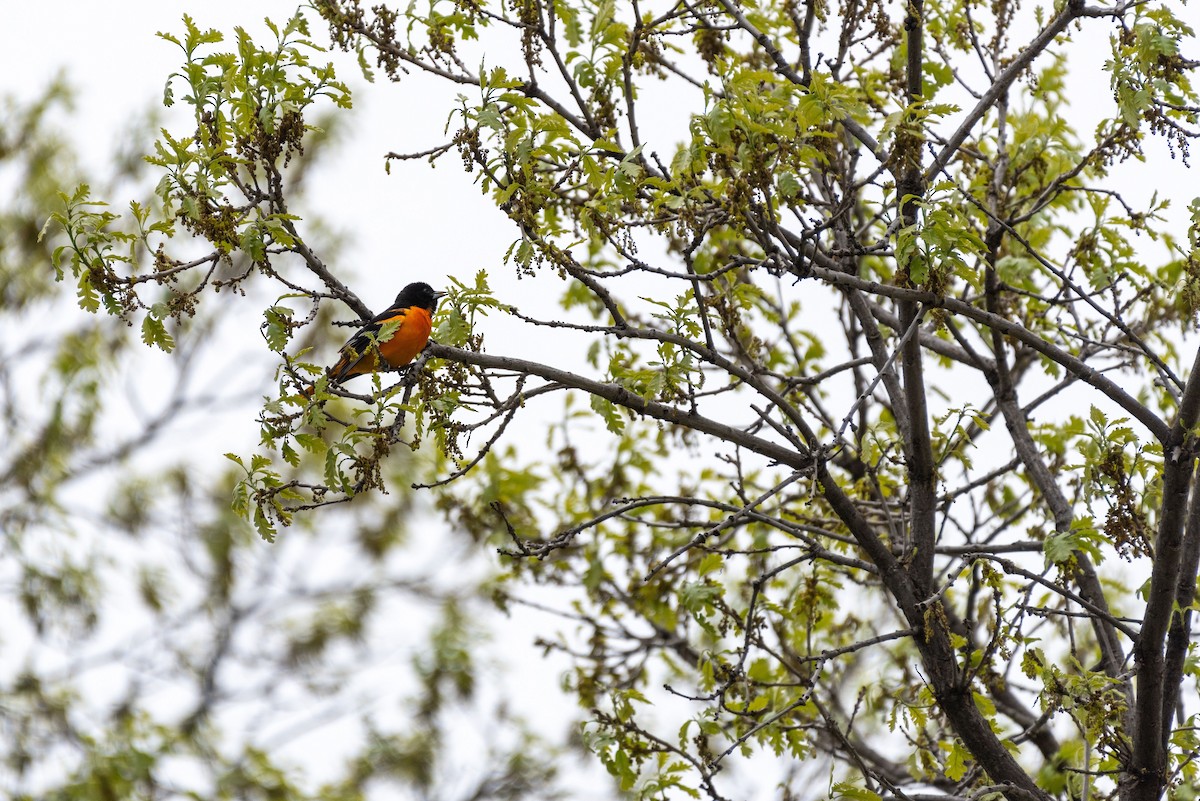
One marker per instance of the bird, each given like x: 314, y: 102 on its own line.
x: 412, y: 310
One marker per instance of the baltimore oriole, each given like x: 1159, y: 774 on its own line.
x: 412, y: 310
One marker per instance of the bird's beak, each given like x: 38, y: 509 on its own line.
x: 440, y: 295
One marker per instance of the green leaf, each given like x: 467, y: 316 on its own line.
x: 789, y: 185
x: 853, y: 792
x: 710, y: 562
x: 277, y: 328
x: 614, y: 421
x: 290, y: 455
x: 311, y: 442
x: 155, y: 333
x: 956, y: 761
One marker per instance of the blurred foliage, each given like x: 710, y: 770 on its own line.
x: 154, y: 646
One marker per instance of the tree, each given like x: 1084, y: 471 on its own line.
x: 884, y: 395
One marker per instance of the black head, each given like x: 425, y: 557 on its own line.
x: 418, y: 294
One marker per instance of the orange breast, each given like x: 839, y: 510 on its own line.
x: 409, y: 338
x: 402, y: 348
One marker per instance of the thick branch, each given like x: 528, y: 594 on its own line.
x: 1180, y: 636
x: 1146, y: 774
x: 910, y: 189
x: 619, y: 395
